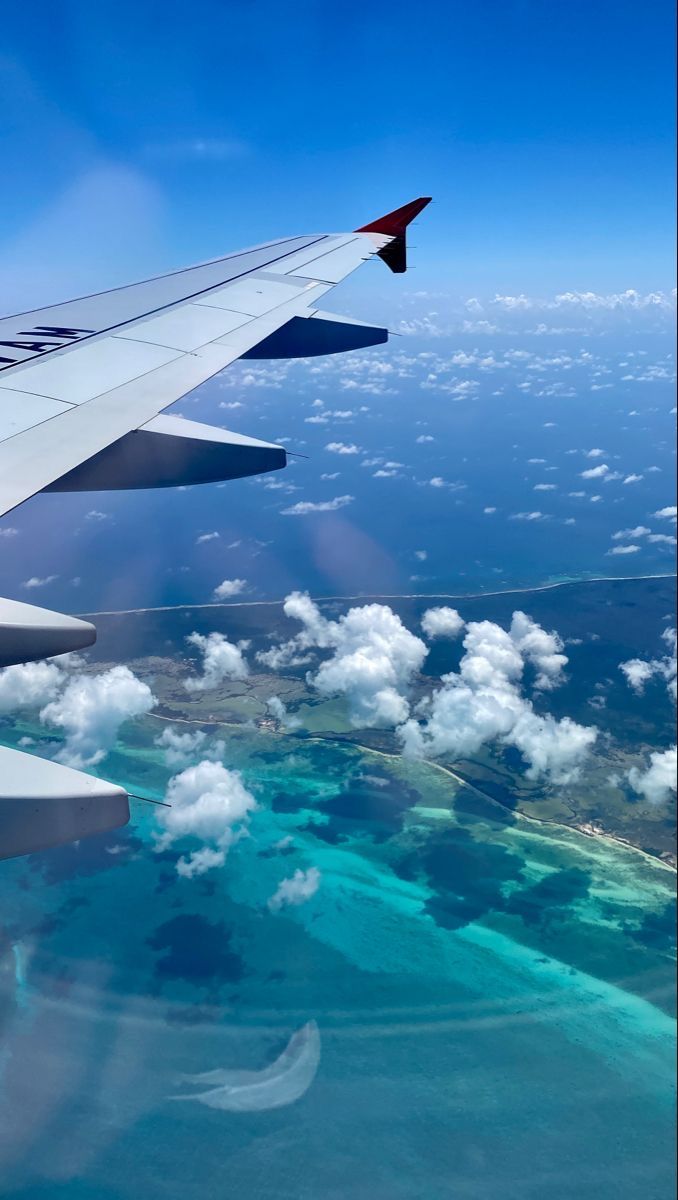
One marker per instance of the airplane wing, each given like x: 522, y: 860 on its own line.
x: 80, y: 381
x: 83, y: 386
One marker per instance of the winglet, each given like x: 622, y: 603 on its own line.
x: 394, y: 225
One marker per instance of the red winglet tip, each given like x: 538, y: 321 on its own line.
x: 395, y: 223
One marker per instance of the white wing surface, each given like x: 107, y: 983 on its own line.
x: 77, y: 377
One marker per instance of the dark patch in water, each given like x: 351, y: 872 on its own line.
x: 197, y: 951
x: 659, y: 928
x: 466, y: 873
x: 61, y: 916
x: 362, y: 808
x: 292, y: 802
x: 548, y: 898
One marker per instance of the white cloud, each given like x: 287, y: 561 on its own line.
x: 545, y: 487
x: 221, y: 660
x: 633, y: 479
x: 374, y: 657
x: 296, y: 890
x: 343, y: 448
x: 658, y: 783
x: 639, y: 671
x: 490, y: 509
x: 206, y: 537
x: 91, y: 710
x: 278, y: 709
x: 483, y: 703
x: 442, y: 622
x: 424, y: 438
x: 595, y: 453
x: 180, y: 747
x: 630, y: 534
x: 9, y: 532
x: 543, y: 650
x: 596, y: 472
x: 669, y: 513
x: 303, y: 507
x: 229, y: 587
x: 28, y: 685
x: 36, y: 581
x: 438, y: 482
x: 629, y: 549
x: 528, y: 516
x: 210, y: 803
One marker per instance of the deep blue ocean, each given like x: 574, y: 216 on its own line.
x: 515, y: 440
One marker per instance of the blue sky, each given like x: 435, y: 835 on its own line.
x: 143, y: 136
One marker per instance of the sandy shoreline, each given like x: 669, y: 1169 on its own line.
x: 584, y: 828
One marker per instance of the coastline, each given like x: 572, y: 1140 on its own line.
x: 584, y: 828
x: 372, y: 596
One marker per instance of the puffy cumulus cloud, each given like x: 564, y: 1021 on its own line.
x: 374, y: 657
x: 206, y: 537
x: 210, y: 803
x: 543, y: 650
x: 630, y: 535
x: 91, y: 710
x: 221, y: 660
x: 442, y: 622
x: 37, y: 581
x: 596, y: 472
x: 229, y: 587
x: 28, y: 685
x: 303, y: 507
x: 278, y: 709
x: 180, y: 748
x: 668, y: 513
x: 343, y: 448
x: 553, y: 748
x: 630, y: 300
x: 639, y: 671
x: 658, y: 782
x: 483, y: 703
x: 628, y: 549
x: 296, y: 890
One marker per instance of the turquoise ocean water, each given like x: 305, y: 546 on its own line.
x: 493, y: 999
